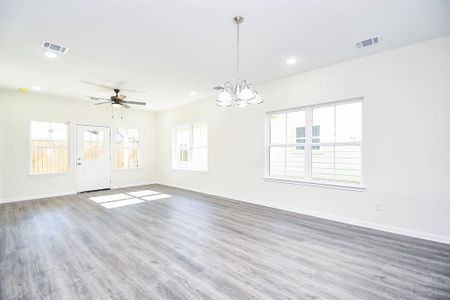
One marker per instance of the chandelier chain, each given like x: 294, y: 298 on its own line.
x: 237, y: 54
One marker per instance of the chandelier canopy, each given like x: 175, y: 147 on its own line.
x: 241, y: 93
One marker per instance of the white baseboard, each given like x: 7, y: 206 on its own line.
x: 34, y: 197
x: 118, y: 186
x: 47, y: 195
x: 371, y: 225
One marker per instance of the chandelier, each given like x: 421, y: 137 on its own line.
x: 242, y: 93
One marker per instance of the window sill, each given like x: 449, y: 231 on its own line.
x: 192, y: 170
x: 357, y: 188
x: 49, y: 174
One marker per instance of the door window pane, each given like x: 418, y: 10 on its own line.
x: 94, y: 145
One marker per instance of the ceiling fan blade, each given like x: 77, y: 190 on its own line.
x: 97, y: 84
x: 125, y: 105
x: 105, y: 102
x: 97, y: 98
x: 122, y: 86
x: 133, y: 90
x: 135, y: 102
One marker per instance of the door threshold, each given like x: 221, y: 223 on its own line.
x: 106, y: 189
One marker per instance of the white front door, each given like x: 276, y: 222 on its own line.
x: 93, y: 158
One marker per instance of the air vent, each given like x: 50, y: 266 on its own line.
x: 367, y: 43
x: 55, y: 47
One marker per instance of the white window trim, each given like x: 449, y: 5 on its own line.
x: 186, y: 167
x: 49, y: 174
x: 308, y: 156
x: 69, y: 150
x: 114, y: 150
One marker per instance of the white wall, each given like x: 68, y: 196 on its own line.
x: 16, y: 112
x: 406, y: 147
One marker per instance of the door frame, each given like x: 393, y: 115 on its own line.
x: 76, y: 152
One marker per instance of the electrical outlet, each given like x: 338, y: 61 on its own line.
x: 379, y: 206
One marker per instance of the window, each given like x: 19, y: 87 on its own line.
x: 127, y: 148
x: 318, y: 144
x: 94, y: 145
x: 49, y: 148
x: 190, y: 147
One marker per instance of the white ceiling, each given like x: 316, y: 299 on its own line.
x: 172, y: 47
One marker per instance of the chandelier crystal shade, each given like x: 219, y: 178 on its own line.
x: 241, y: 93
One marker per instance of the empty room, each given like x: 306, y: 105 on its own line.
x: 212, y: 149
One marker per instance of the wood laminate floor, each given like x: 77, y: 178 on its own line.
x: 193, y: 246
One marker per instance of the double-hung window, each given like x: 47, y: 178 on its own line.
x: 317, y: 144
x: 190, y: 147
x: 49, y: 148
x: 127, y: 148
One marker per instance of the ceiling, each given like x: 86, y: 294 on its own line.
x: 169, y: 48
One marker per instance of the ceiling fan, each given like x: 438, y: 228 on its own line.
x: 116, y: 100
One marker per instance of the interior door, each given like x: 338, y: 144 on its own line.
x: 93, y: 158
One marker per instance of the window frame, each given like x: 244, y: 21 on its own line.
x: 139, y: 155
x: 308, y: 146
x: 187, y: 166
x: 30, y: 149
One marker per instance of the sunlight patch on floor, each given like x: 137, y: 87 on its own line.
x: 121, y: 203
x: 143, y: 193
x: 156, y: 197
x: 108, y: 198
x: 125, y: 199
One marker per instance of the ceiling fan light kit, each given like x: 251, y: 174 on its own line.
x: 241, y: 93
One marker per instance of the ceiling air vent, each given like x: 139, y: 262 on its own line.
x: 54, y: 47
x: 367, y: 43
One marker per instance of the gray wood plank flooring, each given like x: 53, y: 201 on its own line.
x: 195, y: 246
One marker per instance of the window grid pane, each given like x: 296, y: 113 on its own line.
x: 295, y: 163
x: 329, y: 153
x: 190, y: 150
x: 277, y: 161
x: 127, y: 148
x: 49, y: 148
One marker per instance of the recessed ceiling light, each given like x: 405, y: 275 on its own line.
x: 291, y: 61
x: 193, y: 93
x: 36, y: 88
x: 50, y: 54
